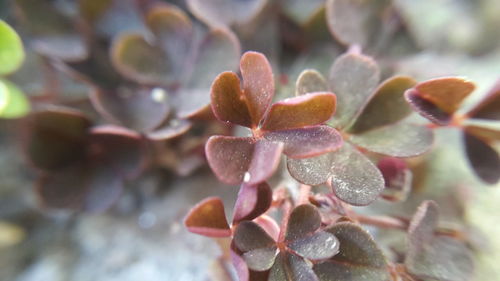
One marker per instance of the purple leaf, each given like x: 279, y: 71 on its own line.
x: 240, y: 266
x: 55, y: 138
x: 397, y: 178
x: 290, y: 267
x: 303, y: 221
x: 483, y: 159
x: 252, y: 201
x: 307, y: 142
x: 208, y: 218
x: 172, y: 129
x: 353, y: 79
x: 142, y: 109
x: 387, y: 106
x: 399, y: 140
x: 258, y: 84
x: 489, y: 107
x: 258, y: 247
x: 317, y: 246
x: 265, y: 160
x: 311, y: 171
x: 305, y: 110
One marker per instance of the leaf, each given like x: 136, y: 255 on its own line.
x: 387, y: 106
x: 305, y: 110
x: 229, y: 157
x: 218, y: 52
x: 258, y: 84
x: 359, y: 257
x: 225, y: 12
x: 172, y: 129
x: 11, y: 49
x: 302, y: 11
x: 52, y: 33
x: 310, y: 81
x: 489, y: 107
x: 290, y: 267
x: 399, y: 140
x: 55, y: 138
x: 104, y: 187
x: 252, y: 201
x: 317, y: 246
x: 13, y: 103
x: 174, y: 32
x: 121, y: 149
x: 208, y: 218
x: 397, y: 178
x: 354, y: 21
x: 139, y: 60
x: 228, y: 102
x: 304, y: 220
x: 435, y: 257
x: 307, y: 142
x: 483, y: 159
x: 354, y: 178
x: 483, y: 132
x: 353, y: 78
x: 265, y: 160
x: 258, y: 247
x: 139, y: 108
x: 240, y: 266
x: 438, y: 99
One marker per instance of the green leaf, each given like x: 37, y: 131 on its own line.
x: 13, y: 103
x: 11, y: 49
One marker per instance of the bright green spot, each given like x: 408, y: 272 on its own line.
x: 11, y: 49
x: 13, y: 103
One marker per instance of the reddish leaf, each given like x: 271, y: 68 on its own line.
x: 240, y: 266
x: 55, y: 138
x: 139, y: 60
x: 397, y: 178
x: 359, y: 257
x: 307, y: 142
x: 483, y: 159
x: 258, y: 247
x: 229, y: 157
x: 228, y: 102
x: 489, y: 107
x: 173, y: 31
x: 265, y: 160
x: 310, y: 81
x: 353, y: 78
x: 304, y: 220
x: 252, y: 201
x: 387, y: 106
x: 399, y: 140
x: 306, y: 110
x: 290, y: 267
x: 208, y: 218
x: 269, y: 225
x: 258, y: 84
x: 172, y: 129
x: 317, y: 246
x: 438, y: 99
x: 141, y: 109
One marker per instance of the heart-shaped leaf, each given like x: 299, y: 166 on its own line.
x: 265, y: 160
x: 56, y: 138
x: 397, y: 178
x: 438, y: 99
x: 304, y: 220
x: 258, y: 247
x: 290, y: 267
x: 11, y: 49
x: 307, y: 142
x: 225, y: 12
x: 139, y: 60
x: 359, y: 257
x: 208, y: 218
x: 483, y: 159
x: 228, y: 102
x: 305, y: 110
x: 13, y: 103
x: 435, y: 257
x: 310, y: 81
x: 139, y: 108
x: 389, y: 99
x: 353, y: 78
x: 252, y: 201
x: 399, y: 140
x: 354, y: 178
x: 258, y: 84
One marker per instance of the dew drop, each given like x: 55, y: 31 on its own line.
x: 247, y: 177
x: 158, y: 95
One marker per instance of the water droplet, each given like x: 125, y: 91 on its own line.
x: 246, y: 177
x: 158, y: 95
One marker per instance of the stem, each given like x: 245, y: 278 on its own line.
x: 304, y: 191
x: 287, y: 209
x: 382, y: 221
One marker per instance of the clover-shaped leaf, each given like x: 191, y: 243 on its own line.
x: 302, y: 239
x: 208, y: 218
x: 353, y: 177
x: 484, y: 160
x: 359, y: 257
x: 431, y: 256
x: 438, y: 99
x: 282, y: 127
x: 252, y: 201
